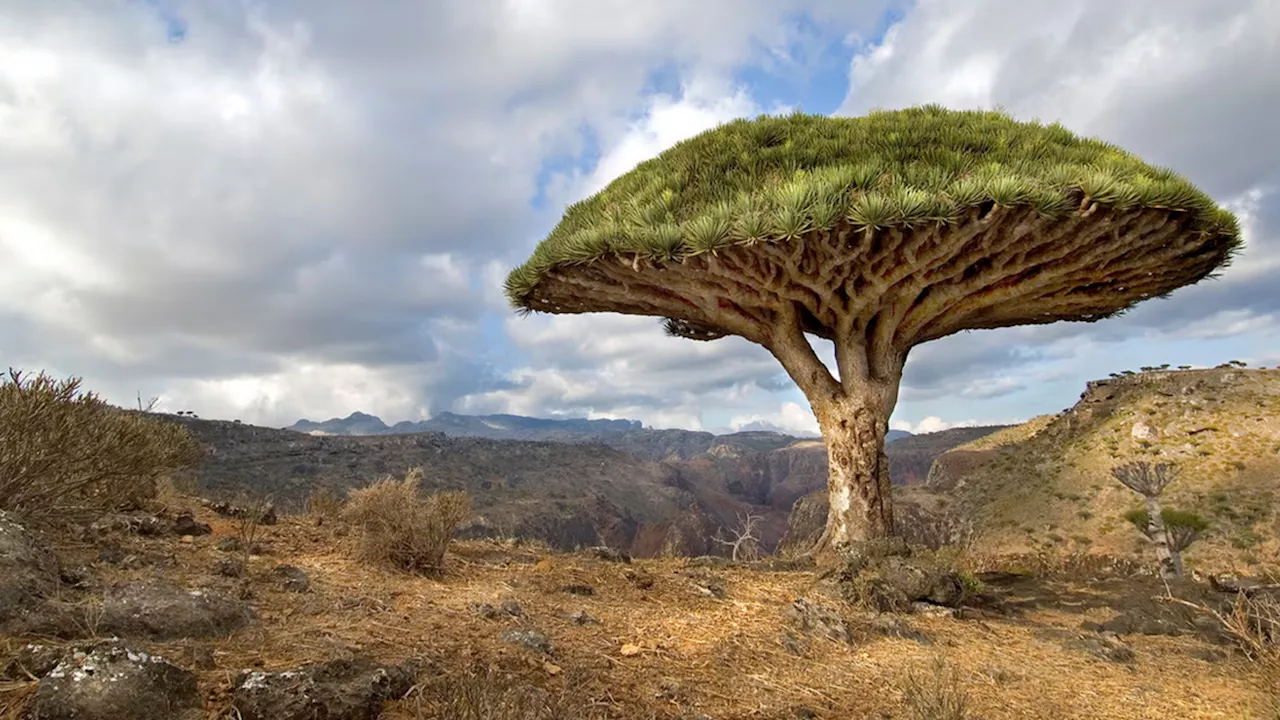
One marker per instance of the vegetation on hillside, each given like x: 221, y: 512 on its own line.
x: 65, y: 452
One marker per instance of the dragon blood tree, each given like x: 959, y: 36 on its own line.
x: 875, y: 233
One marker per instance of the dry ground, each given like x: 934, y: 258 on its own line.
x: 693, y: 653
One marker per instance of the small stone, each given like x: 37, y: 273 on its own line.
x: 531, y: 639
x: 639, y: 578
x: 608, y: 554
x: 551, y: 668
x: 579, y: 589
x: 512, y: 608
x: 582, y: 618
x: 292, y: 578
x: 185, y: 524
x: 229, y: 544
x: 630, y: 650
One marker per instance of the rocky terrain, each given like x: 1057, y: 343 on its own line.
x: 647, y: 492
x: 174, y: 614
x: 1047, y: 484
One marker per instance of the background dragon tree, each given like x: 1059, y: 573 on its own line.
x: 877, y: 234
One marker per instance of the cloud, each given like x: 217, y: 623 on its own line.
x: 213, y: 197
x: 790, y: 418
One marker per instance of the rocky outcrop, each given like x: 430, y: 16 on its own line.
x: 28, y: 568
x: 336, y: 690
x: 160, y: 610
x: 116, y: 681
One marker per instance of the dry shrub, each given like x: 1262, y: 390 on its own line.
x: 488, y: 695
x: 65, y: 452
x: 324, y: 505
x: 403, y: 529
x: 1253, y: 621
x: 936, y: 694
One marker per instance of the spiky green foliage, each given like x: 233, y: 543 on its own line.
x: 775, y: 178
x: 1182, y: 527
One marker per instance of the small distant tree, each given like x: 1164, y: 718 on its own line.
x: 745, y: 544
x: 1164, y: 366
x: 1181, y: 529
x: 1149, y: 481
x: 1184, y: 367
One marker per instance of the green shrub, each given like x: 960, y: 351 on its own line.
x: 64, y: 452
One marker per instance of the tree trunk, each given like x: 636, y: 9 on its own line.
x: 1155, y: 529
x: 853, y: 427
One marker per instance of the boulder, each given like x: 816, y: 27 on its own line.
x: 814, y: 619
x: 115, y: 681
x: 336, y: 690
x: 185, y: 524
x: 158, y: 610
x: 29, y: 569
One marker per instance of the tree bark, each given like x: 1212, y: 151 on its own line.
x: 1169, y: 569
x: 854, y: 426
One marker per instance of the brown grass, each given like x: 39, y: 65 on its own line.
x: 935, y: 694
x: 65, y: 452
x: 402, y: 529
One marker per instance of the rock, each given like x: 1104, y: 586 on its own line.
x: 269, y: 515
x: 29, y: 569
x: 710, y: 561
x: 708, y: 584
x: 508, y: 608
x: 793, y: 644
x: 895, y: 627
x: 630, y: 650
x: 33, y: 661
x: 158, y: 610
x: 292, y: 578
x: 893, y: 583
x: 1143, y: 431
x: 115, y: 681
x: 185, y: 524
x: 582, y: 618
x: 266, y: 514
x: 814, y: 619
x: 1231, y: 583
x: 531, y: 639
x: 608, y: 554
x: 335, y: 690
x: 578, y: 589
x: 229, y: 544
x: 931, y: 610
x: 1104, y: 646
x: 230, y: 568
x: 639, y: 578
x: 79, y: 578
x: 148, y: 525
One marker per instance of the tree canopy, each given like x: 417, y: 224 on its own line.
x: 844, y: 218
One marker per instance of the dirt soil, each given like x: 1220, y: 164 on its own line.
x: 672, y: 641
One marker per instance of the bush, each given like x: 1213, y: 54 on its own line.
x: 403, y: 529
x: 65, y: 452
x: 936, y: 694
x: 324, y: 505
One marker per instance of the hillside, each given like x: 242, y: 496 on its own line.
x: 1047, y: 484
x: 652, y: 496
x: 628, y: 436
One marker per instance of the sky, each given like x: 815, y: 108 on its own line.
x: 304, y: 208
